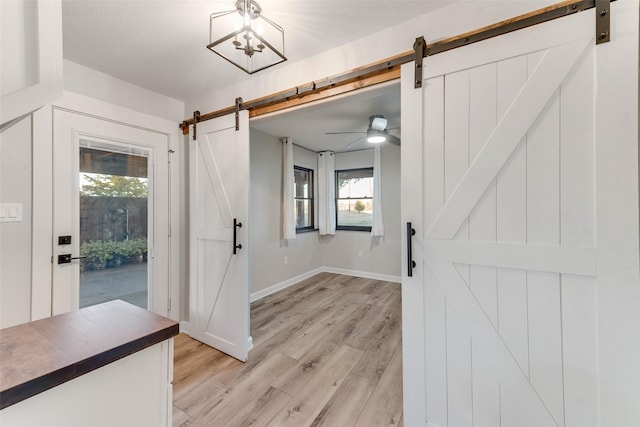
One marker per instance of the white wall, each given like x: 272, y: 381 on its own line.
x: 31, y: 56
x: 449, y: 21
x: 388, y: 42
x: 97, y: 85
x: 15, y: 237
x: 99, y: 95
x: 446, y: 22
x: 18, y: 45
x: 276, y: 263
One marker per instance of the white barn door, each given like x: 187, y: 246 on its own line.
x: 219, y: 202
x: 520, y: 177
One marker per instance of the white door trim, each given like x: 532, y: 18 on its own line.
x: 69, y: 128
x: 41, y: 290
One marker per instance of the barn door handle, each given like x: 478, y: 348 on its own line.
x: 236, y: 245
x: 411, y: 264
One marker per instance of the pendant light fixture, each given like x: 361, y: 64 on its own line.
x: 246, y: 38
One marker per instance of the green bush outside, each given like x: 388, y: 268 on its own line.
x: 103, y: 254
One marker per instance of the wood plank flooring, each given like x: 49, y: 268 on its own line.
x: 327, y: 352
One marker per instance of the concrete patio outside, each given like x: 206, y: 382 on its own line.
x: 127, y: 282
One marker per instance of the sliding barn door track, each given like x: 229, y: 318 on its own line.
x: 389, y: 69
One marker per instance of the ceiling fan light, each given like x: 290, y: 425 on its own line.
x: 375, y: 136
x: 376, y: 139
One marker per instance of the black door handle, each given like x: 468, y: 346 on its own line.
x: 411, y: 264
x: 236, y: 245
x: 66, y: 258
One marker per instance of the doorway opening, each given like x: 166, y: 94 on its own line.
x: 328, y: 326
x: 339, y: 125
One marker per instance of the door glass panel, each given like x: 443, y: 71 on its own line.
x: 113, y: 226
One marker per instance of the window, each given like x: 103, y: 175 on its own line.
x: 303, y: 191
x: 354, y: 197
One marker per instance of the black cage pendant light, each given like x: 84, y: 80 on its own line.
x: 246, y: 38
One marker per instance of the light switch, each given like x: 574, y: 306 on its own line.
x: 10, y: 212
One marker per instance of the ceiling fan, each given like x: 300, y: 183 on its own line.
x: 376, y: 133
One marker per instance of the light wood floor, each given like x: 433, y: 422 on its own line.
x: 326, y: 353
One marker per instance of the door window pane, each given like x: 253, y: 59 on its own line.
x: 113, y: 227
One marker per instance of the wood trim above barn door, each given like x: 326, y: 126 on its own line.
x: 387, y: 69
x: 358, y: 78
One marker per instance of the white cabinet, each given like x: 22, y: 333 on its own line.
x: 133, y: 391
x: 106, y: 365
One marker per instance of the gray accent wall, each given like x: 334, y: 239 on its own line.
x: 357, y: 250
x: 273, y: 260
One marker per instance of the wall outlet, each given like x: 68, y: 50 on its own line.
x: 286, y: 259
x: 360, y: 254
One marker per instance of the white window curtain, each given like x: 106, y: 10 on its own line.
x: 288, y: 193
x: 326, y: 193
x: 377, y: 228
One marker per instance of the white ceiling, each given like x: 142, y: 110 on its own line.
x: 308, y: 125
x: 160, y: 44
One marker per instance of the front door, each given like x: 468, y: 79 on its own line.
x: 219, y: 195
x: 520, y: 178
x: 110, y: 205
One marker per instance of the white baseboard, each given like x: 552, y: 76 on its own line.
x: 297, y: 279
x: 283, y: 285
x: 184, y: 327
x: 363, y: 274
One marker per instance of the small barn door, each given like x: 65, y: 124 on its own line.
x: 219, y: 192
x: 521, y: 182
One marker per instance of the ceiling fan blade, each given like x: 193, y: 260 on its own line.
x: 340, y: 133
x: 364, y: 138
x: 393, y: 139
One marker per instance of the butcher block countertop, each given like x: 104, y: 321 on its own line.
x: 40, y: 355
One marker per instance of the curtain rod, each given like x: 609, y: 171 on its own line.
x: 389, y: 68
x: 305, y: 148
x: 334, y: 152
